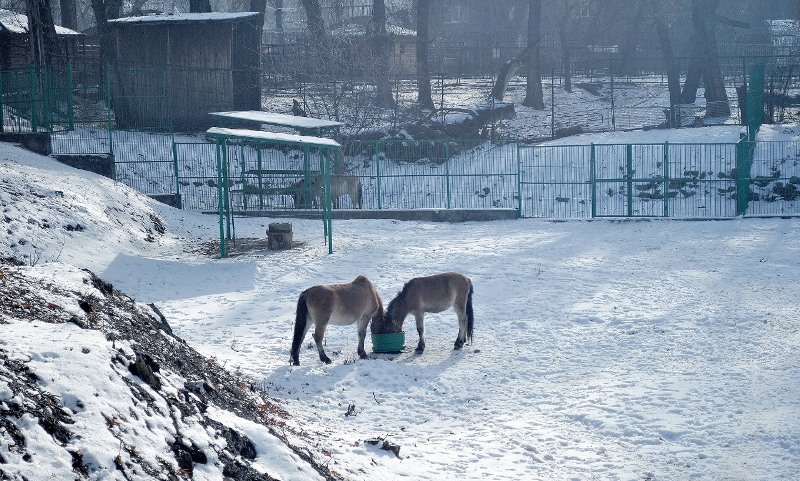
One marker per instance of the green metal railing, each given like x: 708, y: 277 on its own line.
x: 718, y: 180
x: 36, y: 100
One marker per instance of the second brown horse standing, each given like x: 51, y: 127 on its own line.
x: 434, y: 293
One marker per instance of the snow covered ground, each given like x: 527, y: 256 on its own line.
x: 615, y: 350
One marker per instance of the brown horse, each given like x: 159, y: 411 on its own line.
x: 337, y: 304
x: 341, y: 185
x: 435, y: 293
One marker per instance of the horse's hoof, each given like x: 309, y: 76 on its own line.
x: 296, y: 363
x: 419, y: 350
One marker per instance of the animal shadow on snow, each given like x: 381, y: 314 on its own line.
x: 386, y: 372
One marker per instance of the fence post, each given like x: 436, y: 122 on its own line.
x: 378, y: 170
x: 666, y: 179
x: 32, y: 96
x: 593, y: 179
x: 629, y: 176
x: 226, y: 188
x: 519, y: 180
x: 108, y: 112
x: 2, y: 109
x: 447, y: 170
x: 220, y: 201
x: 175, y: 170
x: 70, y: 106
x: 553, y: 104
x: 744, y: 160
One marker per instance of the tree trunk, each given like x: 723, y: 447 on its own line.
x: 423, y: 68
x: 199, y: 6
x: 279, y: 20
x: 566, y: 56
x: 705, y: 61
x: 107, y: 53
x: 630, y: 39
x: 534, y: 97
x: 670, y: 64
x: 69, y: 14
x: 259, y: 6
x: 509, y: 69
x: 316, y: 25
x: 381, y: 45
x: 42, y: 34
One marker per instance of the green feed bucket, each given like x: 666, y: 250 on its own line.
x: 394, y: 342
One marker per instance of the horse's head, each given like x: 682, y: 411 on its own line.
x: 385, y: 323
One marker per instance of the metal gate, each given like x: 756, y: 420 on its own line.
x: 628, y: 180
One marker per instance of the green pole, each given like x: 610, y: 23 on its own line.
x: 378, y: 171
x: 447, y: 170
x: 226, y: 190
x: 175, y: 171
x: 220, y: 203
x: 593, y: 179
x: 666, y: 179
x: 519, y: 180
x: 629, y: 176
x: 260, y: 180
x: 70, y: 106
x: 2, y: 116
x: 328, y: 201
x: 242, y: 166
x: 108, y: 112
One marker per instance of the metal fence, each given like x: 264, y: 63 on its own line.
x: 36, y: 100
x: 545, y: 181
x: 629, y: 180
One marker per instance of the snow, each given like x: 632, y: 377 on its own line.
x: 223, y: 133
x: 17, y: 23
x: 274, y: 118
x: 184, y: 17
x: 620, y: 350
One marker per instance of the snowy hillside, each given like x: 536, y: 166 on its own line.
x: 94, y: 385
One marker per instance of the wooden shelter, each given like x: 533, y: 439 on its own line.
x: 15, y: 49
x: 172, y: 70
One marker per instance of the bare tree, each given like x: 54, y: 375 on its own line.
x: 534, y: 97
x: 381, y: 44
x: 423, y: 43
x: 279, y: 19
x: 42, y: 34
x: 566, y: 25
x: 705, y: 61
x: 316, y: 25
x: 670, y: 63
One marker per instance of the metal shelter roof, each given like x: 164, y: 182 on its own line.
x: 283, y: 120
x: 221, y: 133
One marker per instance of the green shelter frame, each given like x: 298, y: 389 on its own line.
x: 324, y: 149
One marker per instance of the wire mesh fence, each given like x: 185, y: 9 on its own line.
x: 36, y: 100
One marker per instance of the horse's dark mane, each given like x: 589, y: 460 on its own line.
x: 399, y: 297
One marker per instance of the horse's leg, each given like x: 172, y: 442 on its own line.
x: 418, y: 316
x: 319, y: 334
x: 462, y: 326
x: 362, y: 335
x: 298, y: 341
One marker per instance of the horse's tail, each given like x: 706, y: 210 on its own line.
x: 300, y: 320
x: 360, y: 195
x: 470, y: 316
